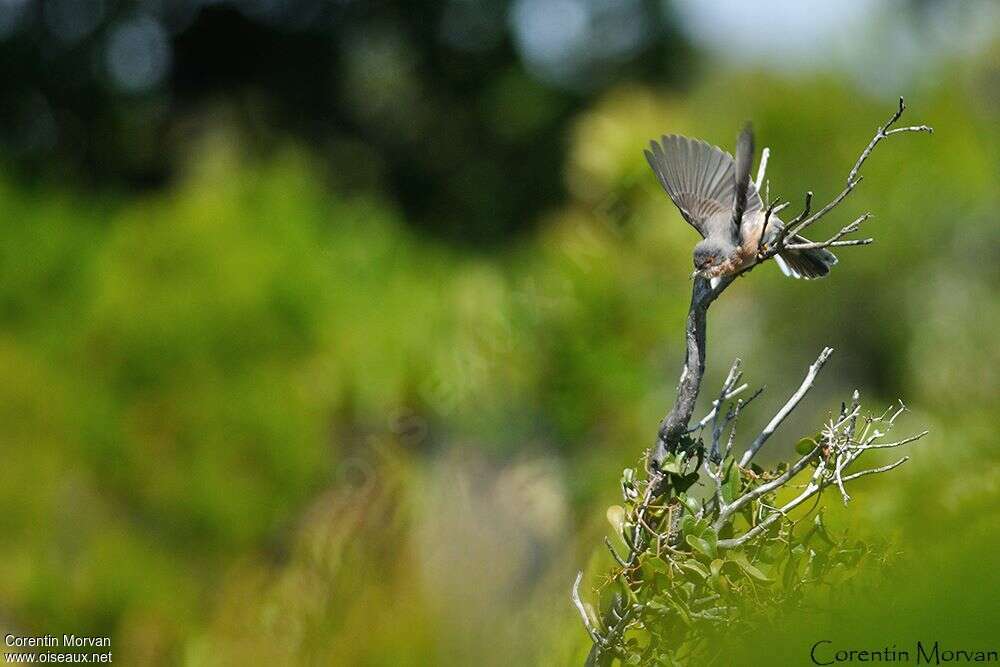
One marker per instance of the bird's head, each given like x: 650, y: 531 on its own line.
x: 709, y: 254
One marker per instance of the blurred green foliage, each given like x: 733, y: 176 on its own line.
x: 252, y: 419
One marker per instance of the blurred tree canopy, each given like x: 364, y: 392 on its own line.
x: 457, y: 108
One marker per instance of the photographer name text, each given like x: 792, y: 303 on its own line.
x: 824, y: 652
x: 53, y: 648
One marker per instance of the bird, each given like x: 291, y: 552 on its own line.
x: 716, y: 196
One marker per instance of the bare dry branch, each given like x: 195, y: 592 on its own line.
x: 728, y: 511
x: 787, y: 408
x: 578, y: 603
x: 675, y: 424
x: 728, y: 392
x: 804, y: 220
x: 767, y: 220
x: 853, y: 178
x: 884, y: 132
x: 806, y: 209
x: 889, y: 445
x: 816, y: 217
x: 614, y: 554
x: 703, y: 422
x: 873, y: 471
x: 811, y: 489
x: 762, y: 167
x: 731, y: 379
x: 835, y: 240
x: 781, y: 206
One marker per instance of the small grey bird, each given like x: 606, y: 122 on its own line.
x: 723, y: 205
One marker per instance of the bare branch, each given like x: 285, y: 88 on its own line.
x: 873, y: 471
x: 884, y: 132
x: 851, y: 421
x: 578, y: 603
x: 728, y: 391
x: 913, y: 128
x: 703, y: 422
x: 845, y: 416
x: 835, y: 244
x: 811, y: 220
x: 888, y: 445
x: 853, y: 178
x: 732, y: 431
x: 767, y: 219
x: 787, y: 408
x: 614, y: 554
x: 806, y: 209
x: 762, y: 168
x: 844, y: 459
x: 811, y: 489
x: 764, y: 253
x: 835, y: 240
x: 764, y: 489
x: 901, y: 410
x: 674, y: 425
x: 841, y: 455
x: 804, y: 220
x: 731, y: 379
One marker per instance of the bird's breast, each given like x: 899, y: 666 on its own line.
x: 750, y: 232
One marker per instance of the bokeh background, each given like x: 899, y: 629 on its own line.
x: 327, y: 326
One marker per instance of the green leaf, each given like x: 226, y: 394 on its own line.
x: 685, y: 482
x: 712, y: 538
x: 616, y: 517
x: 696, y: 527
x: 805, y: 445
x: 820, y: 528
x: 702, y: 545
x: 688, y: 589
x: 681, y: 610
x: 740, y: 559
x: 817, y: 564
x: 692, y: 504
x: 629, y: 491
x: 656, y: 565
x: 624, y: 586
x: 689, y: 526
x: 655, y: 605
x: 732, y: 485
x: 716, y: 567
x: 696, y: 568
x: 671, y: 466
x: 791, y: 574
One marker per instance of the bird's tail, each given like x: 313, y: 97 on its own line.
x: 806, y: 264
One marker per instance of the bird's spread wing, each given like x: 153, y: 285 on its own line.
x: 744, y: 159
x: 699, y: 178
